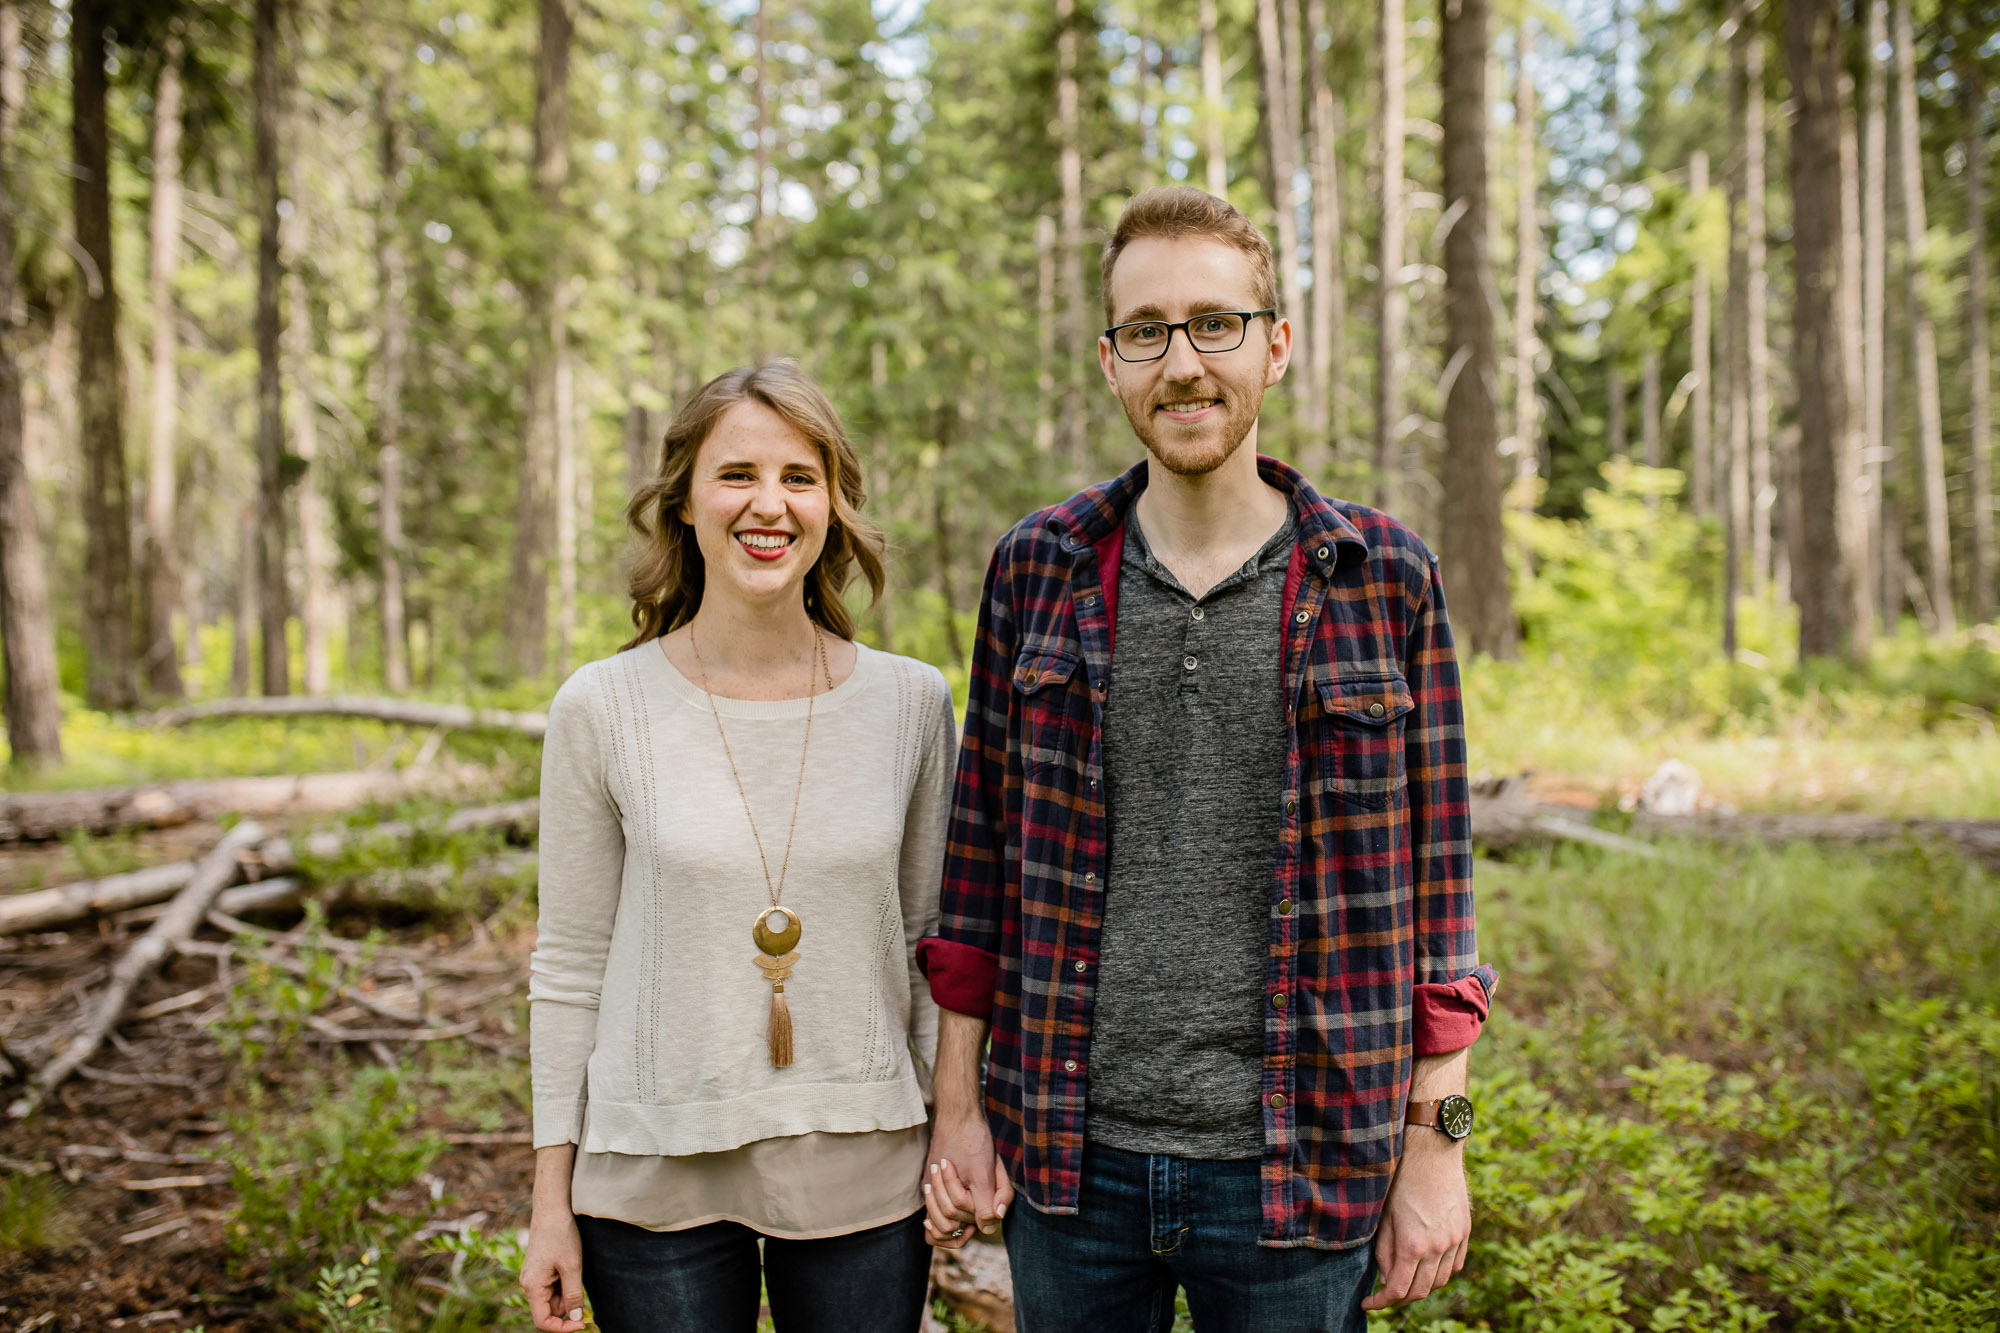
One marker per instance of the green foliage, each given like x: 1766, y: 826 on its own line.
x: 269, y: 1004
x: 319, y: 1182
x: 32, y: 1215
x: 347, y: 1299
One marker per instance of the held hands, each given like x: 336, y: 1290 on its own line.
x: 1426, y: 1223
x: 965, y: 1185
x: 552, y: 1272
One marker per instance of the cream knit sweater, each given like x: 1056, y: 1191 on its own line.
x: 644, y: 998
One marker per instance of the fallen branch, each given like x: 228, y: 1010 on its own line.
x: 412, y: 712
x: 332, y: 1032
x: 976, y: 1283
x: 39, y: 816
x: 215, y: 871
x: 49, y: 909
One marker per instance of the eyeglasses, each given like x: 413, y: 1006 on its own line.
x: 1215, y: 331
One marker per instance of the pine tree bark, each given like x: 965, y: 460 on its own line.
x: 1614, y: 401
x: 1211, y: 96
x: 1701, y: 444
x: 1822, y: 577
x: 527, y: 620
x: 163, y: 590
x: 1527, y: 252
x: 1329, y: 292
x: 272, y: 600
x: 1979, y: 358
x: 1923, y: 336
x: 110, y: 678
x: 1854, y: 511
x: 1754, y: 348
x: 315, y: 559
x: 32, y: 702
x: 391, y: 352
x: 1746, y: 97
x: 1046, y: 331
x: 1075, y: 424
x: 1874, y: 307
x: 1391, y: 299
x: 246, y: 602
x: 1649, y: 406
x: 1474, y: 561
x: 1281, y: 139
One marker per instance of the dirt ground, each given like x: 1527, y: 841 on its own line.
x: 139, y: 1231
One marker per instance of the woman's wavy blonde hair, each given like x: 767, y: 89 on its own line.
x: 667, y: 577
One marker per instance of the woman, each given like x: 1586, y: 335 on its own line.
x: 742, y: 835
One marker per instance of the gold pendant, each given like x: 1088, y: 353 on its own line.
x: 776, y: 931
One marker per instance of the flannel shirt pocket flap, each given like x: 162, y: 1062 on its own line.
x: 1372, y: 701
x: 1038, y: 669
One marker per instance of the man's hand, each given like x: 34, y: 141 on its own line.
x: 1426, y: 1222
x: 965, y: 1184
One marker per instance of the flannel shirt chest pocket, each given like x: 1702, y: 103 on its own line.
x: 1047, y: 698
x: 1355, y: 727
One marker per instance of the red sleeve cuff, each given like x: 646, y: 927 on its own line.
x: 1449, y: 1017
x: 962, y: 978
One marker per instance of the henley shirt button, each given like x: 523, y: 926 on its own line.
x: 1301, y: 618
x: 1277, y: 1101
x: 1189, y: 663
x: 1284, y: 907
x: 1070, y: 1066
x: 1376, y: 710
x: 1197, y: 613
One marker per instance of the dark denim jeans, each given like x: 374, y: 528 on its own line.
x: 1148, y: 1223
x: 704, y: 1279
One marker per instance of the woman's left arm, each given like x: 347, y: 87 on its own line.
x: 921, y: 870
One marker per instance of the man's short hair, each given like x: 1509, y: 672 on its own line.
x: 1172, y: 212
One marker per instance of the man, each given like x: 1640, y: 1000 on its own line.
x: 1209, y: 875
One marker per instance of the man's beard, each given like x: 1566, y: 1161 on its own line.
x: 1197, y: 453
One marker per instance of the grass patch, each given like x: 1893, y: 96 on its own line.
x: 32, y: 1216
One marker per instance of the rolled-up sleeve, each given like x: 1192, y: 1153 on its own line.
x: 581, y: 866
x: 962, y: 960
x: 1453, y: 989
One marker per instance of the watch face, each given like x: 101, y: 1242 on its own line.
x: 1455, y: 1117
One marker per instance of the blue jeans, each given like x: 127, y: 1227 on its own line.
x: 1148, y: 1223
x: 704, y: 1279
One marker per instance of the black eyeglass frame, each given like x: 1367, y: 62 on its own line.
x: 1246, y: 315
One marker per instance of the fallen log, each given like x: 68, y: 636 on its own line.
x: 53, y: 908
x: 412, y: 712
x: 976, y: 1282
x: 40, y: 816
x: 213, y: 873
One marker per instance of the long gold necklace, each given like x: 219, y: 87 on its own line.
x: 777, y: 928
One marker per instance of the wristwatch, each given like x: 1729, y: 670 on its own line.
x: 1451, y: 1117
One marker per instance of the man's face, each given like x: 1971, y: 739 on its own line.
x: 1191, y: 409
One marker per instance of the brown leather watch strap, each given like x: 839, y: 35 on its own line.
x: 1423, y: 1113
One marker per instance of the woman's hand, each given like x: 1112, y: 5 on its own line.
x: 552, y: 1262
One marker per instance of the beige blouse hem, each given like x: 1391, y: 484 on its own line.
x: 825, y: 1234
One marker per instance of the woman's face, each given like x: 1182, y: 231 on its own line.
x: 759, y: 504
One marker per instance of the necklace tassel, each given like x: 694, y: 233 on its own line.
x: 781, y: 1028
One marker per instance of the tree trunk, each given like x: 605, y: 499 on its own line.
x: 1874, y: 323
x: 1046, y: 333
x: 1474, y: 560
x: 1329, y: 294
x: 1527, y: 251
x: 1649, y: 406
x: 943, y: 542
x: 1978, y: 358
x: 1281, y: 139
x: 1822, y: 577
x: 315, y: 559
x: 1211, y: 96
x: 110, y: 679
x: 1855, y: 512
x: 246, y: 602
x: 392, y: 351
x: 1701, y: 444
x: 535, y: 508
x: 163, y: 592
x: 1753, y: 349
x: 1391, y: 300
x: 272, y: 602
x: 566, y: 487
x: 1069, y: 243
x: 639, y: 446
x: 1614, y: 401
x: 33, y: 701
x: 1923, y: 337
x: 1745, y: 226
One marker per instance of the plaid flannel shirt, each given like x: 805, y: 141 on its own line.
x: 1371, y: 930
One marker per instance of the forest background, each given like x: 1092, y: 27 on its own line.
x: 335, y: 334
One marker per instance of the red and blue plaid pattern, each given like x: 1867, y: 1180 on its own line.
x: 1371, y: 930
